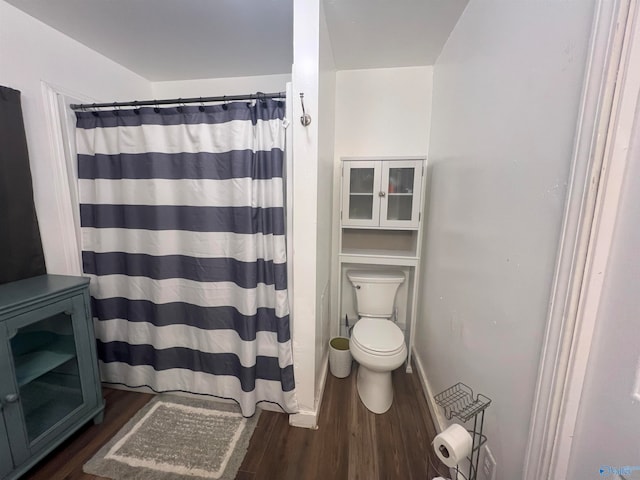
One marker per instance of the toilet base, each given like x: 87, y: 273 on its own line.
x: 375, y: 389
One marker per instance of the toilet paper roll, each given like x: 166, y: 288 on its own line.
x: 453, y: 445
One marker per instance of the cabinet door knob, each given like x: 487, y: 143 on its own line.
x: 382, y: 194
x: 11, y: 398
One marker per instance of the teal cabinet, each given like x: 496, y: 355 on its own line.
x: 49, y: 380
x: 6, y: 462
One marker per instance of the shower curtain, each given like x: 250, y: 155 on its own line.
x: 183, y: 236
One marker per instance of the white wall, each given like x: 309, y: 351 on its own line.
x: 383, y: 111
x: 32, y: 53
x: 220, y: 86
x: 305, y: 79
x: 506, y: 94
x: 313, y: 75
x: 378, y: 112
x: 325, y: 213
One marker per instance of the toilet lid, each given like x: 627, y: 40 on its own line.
x: 378, y: 335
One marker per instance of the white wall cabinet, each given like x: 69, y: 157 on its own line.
x: 382, y: 193
x: 380, y: 228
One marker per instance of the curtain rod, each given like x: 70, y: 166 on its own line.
x: 153, y: 103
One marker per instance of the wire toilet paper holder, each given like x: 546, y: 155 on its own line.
x: 458, y: 401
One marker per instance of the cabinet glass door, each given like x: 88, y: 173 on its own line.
x: 47, y: 372
x: 361, y: 187
x: 361, y: 193
x: 401, y: 180
x: 6, y: 462
x: 400, y: 188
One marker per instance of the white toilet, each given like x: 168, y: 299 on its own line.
x: 377, y: 343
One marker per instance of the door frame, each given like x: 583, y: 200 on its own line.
x: 604, y: 130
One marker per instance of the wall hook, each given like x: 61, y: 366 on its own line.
x: 305, y: 119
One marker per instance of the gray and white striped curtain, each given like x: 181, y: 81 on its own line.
x: 183, y: 236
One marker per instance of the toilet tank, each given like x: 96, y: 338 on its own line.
x: 375, y: 291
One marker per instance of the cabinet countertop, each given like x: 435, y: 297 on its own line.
x: 29, y: 290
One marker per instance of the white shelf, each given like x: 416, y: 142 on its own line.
x: 376, y: 228
x: 379, y: 259
x: 377, y: 243
x: 380, y: 242
x: 379, y: 252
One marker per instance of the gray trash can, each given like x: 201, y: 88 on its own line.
x: 339, y: 357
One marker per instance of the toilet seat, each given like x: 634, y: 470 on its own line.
x: 378, y: 337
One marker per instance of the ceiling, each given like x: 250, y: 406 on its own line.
x: 191, y: 39
x: 389, y: 33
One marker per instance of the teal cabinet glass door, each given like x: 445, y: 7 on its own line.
x: 49, y: 385
x: 6, y: 463
x: 47, y: 372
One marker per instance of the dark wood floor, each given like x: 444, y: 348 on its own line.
x: 350, y: 443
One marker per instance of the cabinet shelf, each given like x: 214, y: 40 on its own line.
x: 376, y: 243
x: 30, y: 366
x: 379, y: 252
x: 379, y: 260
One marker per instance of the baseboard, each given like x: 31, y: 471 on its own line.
x: 304, y: 419
x: 436, y: 413
x: 309, y: 418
